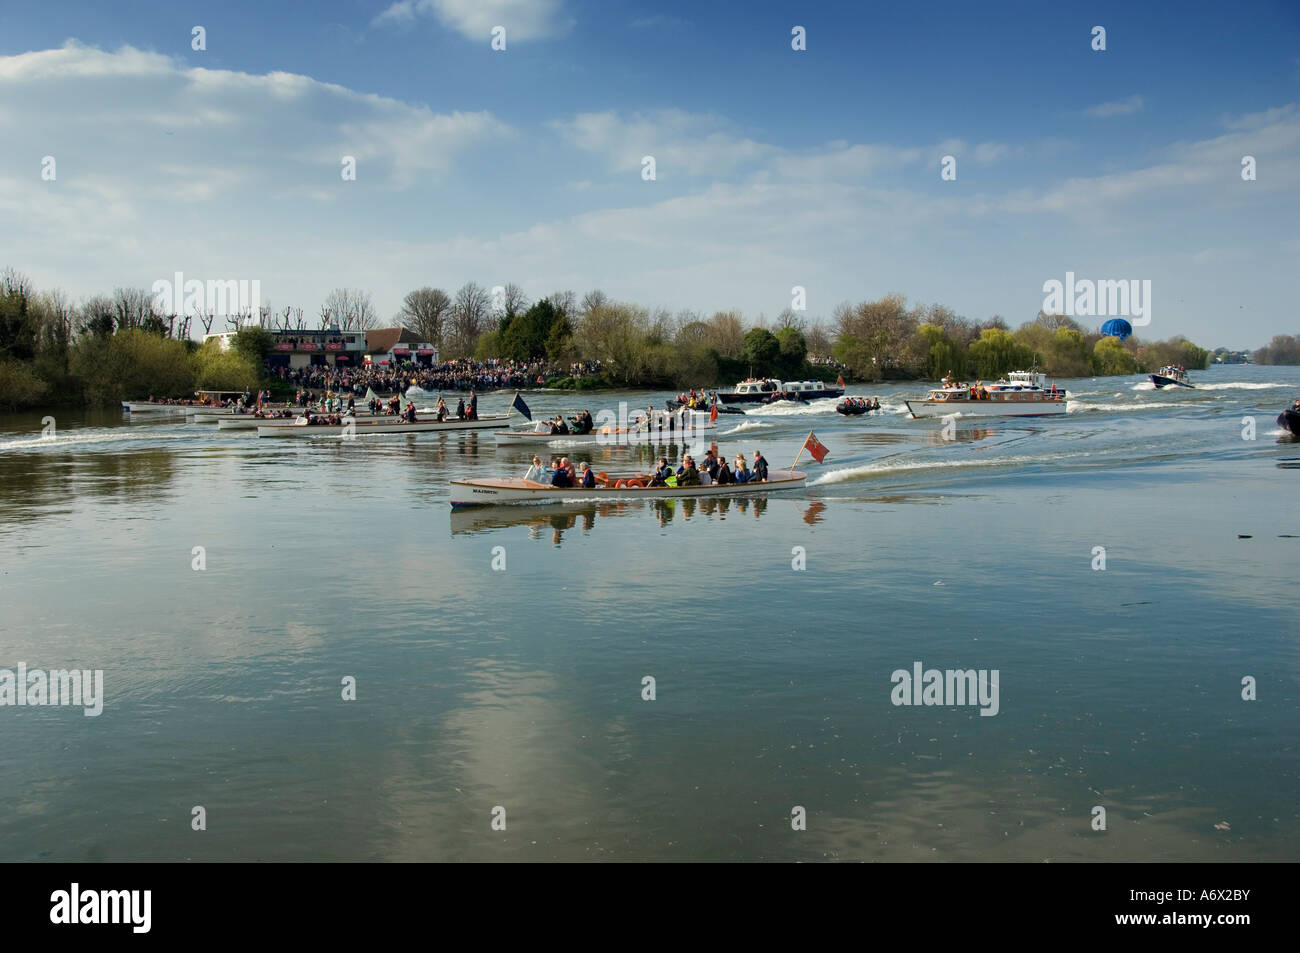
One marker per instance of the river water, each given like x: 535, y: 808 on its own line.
x: 519, y: 694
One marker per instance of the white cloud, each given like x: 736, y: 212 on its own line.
x: 474, y: 19
x: 1123, y: 107
x: 698, y: 144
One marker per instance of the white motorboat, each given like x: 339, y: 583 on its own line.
x: 491, y: 491
x: 1019, y: 394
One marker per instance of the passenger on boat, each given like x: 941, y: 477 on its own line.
x: 760, y: 467
x: 537, y: 472
x: 473, y: 404
x: 442, y: 410
x: 742, y: 470
x: 710, y: 465
x: 724, y: 475
x: 688, y: 475
x: 562, y: 477
x: 662, y: 473
x: 410, y: 412
x: 588, y: 478
x: 460, y: 409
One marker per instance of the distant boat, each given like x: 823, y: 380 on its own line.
x: 767, y: 390
x: 855, y: 406
x: 1169, y: 374
x: 367, y: 428
x: 1019, y: 394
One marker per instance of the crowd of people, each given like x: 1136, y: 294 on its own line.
x: 710, y: 471
x: 463, y: 375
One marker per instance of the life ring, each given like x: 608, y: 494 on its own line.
x: 620, y: 484
x: 634, y: 484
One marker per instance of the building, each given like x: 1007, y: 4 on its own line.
x: 294, y: 349
x: 398, y: 346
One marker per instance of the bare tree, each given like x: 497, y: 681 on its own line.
x: 134, y: 308
x: 566, y: 301
x: 349, y: 309
x: 727, y: 333
x: 591, y: 300
x: 788, y: 319
x: 513, y: 300
x: 424, y: 311
x: 470, y: 314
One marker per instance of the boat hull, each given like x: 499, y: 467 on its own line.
x: 1289, y: 420
x: 364, y: 428
x: 144, y: 407
x: 1160, y: 382
x: 492, y: 492
x: 985, y: 408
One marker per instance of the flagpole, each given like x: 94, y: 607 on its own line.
x: 800, y: 453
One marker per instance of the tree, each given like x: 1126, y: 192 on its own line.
x: 218, y: 368
x: 512, y: 301
x: 560, y: 348
x: 524, y: 336
x: 760, y: 350
x: 727, y: 333
x: 881, y: 338
x: 348, y: 309
x: 1283, y: 349
x: 469, y: 316
x: 423, y: 311
x: 254, y: 343
x: 793, y: 352
x: 941, y: 354
x: 1109, y: 357
x: 996, y: 353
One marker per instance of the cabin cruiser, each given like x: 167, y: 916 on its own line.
x: 768, y: 390
x: 1170, y: 374
x: 1019, y: 394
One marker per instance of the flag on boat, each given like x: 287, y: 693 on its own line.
x: 815, y: 447
x: 713, y: 413
x: 520, y: 406
x: 840, y: 380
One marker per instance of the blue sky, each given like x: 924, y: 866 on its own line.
x: 775, y: 168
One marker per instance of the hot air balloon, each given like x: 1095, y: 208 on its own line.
x: 1117, y: 328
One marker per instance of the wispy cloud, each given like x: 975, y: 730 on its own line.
x: 522, y: 19
x: 1121, y: 107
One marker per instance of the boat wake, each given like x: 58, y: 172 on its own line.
x: 869, y: 470
x: 1078, y: 406
x: 1240, y: 385
x: 786, y: 408
x: 742, y: 428
x: 74, y: 438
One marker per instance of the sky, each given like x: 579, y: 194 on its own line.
x: 819, y: 168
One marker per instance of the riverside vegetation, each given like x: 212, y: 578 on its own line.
x: 114, y: 347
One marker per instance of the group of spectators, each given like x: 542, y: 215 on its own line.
x: 463, y: 375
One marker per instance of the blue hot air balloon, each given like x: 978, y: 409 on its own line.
x: 1117, y: 328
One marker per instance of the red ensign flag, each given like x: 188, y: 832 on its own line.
x: 713, y: 414
x: 840, y: 380
x: 815, y: 447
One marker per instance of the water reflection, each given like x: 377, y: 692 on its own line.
x: 936, y: 437
x: 552, y: 521
x: 33, y: 484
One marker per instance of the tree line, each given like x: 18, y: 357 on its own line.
x: 113, y: 347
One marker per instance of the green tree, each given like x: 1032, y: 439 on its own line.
x: 1110, y: 357
x: 996, y: 353
x: 793, y: 352
x: 760, y: 350
x: 218, y: 368
x: 254, y: 343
